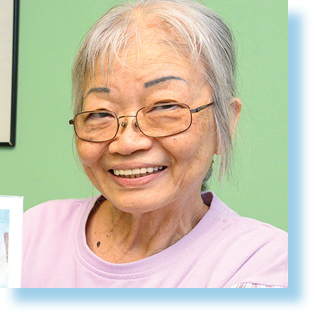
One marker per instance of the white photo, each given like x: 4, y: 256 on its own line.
x: 11, y: 218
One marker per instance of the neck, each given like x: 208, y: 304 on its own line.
x: 119, y: 237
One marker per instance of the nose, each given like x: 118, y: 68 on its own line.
x: 129, y: 138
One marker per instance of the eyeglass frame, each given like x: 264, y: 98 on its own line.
x: 192, y: 111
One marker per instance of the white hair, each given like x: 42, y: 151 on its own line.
x: 192, y: 29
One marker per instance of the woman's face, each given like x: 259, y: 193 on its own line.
x: 153, y: 74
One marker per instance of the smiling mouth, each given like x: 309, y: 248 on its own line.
x: 138, y: 172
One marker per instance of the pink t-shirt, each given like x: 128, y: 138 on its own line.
x: 223, y: 250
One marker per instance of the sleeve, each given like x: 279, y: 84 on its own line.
x: 254, y: 286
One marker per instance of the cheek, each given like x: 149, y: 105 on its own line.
x: 89, y: 153
x: 195, y: 148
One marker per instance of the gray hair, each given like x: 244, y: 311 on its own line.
x: 192, y: 29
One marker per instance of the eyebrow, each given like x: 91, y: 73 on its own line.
x: 156, y: 81
x: 146, y: 85
x: 98, y: 90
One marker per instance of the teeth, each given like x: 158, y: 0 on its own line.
x: 137, y: 172
x: 128, y: 172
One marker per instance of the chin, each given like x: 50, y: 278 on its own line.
x: 140, y: 201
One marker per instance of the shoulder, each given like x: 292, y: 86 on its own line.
x: 256, y: 251
x: 263, y: 253
x: 54, y: 209
x: 52, y: 214
x: 243, y: 228
x: 51, y: 223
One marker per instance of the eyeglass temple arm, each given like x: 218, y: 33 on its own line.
x: 71, y: 121
x: 198, y: 109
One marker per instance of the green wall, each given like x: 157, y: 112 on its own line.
x: 43, y: 166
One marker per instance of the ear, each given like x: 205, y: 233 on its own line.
x: 236, y: 111
x: 237, y: 107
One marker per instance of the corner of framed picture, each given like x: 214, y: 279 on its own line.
x: 9, y: 26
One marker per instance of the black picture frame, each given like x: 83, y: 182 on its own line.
x: 9, y: 102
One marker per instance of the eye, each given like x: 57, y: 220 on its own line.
x: 164, y: 107
x: 98, y: 115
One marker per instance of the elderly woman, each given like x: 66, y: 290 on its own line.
x: 154, y: 102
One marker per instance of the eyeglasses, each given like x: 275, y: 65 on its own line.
x: 156, y: 121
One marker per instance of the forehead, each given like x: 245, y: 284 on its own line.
x: 144, y: 54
